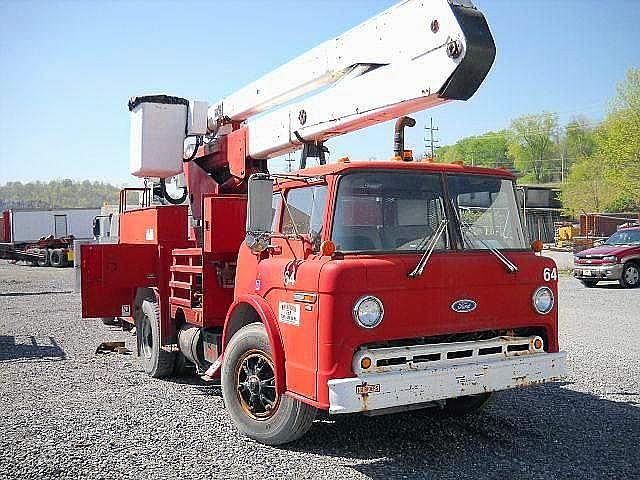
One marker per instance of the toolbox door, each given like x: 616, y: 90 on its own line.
x: 110, y: 274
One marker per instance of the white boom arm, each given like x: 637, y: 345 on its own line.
x: 413, y: 56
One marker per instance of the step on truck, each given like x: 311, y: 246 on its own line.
x: 350, y: 286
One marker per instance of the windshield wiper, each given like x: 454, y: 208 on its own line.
x: 511, y: 267
x: 466, y: 228
x: 431, y: 245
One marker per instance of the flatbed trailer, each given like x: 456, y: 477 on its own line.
x: 9, y: 252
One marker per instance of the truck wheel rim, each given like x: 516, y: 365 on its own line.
x: 256, y: 385
x: 631, y: 275
x: 146, y: 336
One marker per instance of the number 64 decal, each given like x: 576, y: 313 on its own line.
x: 549, y: 274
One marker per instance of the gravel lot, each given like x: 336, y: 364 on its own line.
x: 67, y: 412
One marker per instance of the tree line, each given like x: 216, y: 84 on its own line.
x: 597, y: 164
x: 57, y: 194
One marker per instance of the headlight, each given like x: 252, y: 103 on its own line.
x: 543, y: 300
x: 368, y: 311
x: 610, y: 259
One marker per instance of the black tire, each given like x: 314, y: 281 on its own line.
x: 111, y: 321
x: 458, y: 407
x: 44, y: 257
x: 288, y: 419
x: 156, y: 361
x: 56, y: 258
x: 589, y: 283
x: 33, y: 251
x: 630, y: 275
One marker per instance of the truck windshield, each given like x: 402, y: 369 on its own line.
x: 388, y: 211
x: 486, y: 211
x: 624, y: 237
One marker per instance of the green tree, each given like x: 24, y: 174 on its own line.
x: 579, y: 139
x: 587, y: 188
x: 532, y: 146
x: 618, y: 141
x: 57, y: 194
x: 486, y: 150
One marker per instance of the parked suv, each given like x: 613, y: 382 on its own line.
x: 616, y: 259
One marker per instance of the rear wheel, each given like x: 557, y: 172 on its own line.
x: 589, y: 283
x: 630, y: 275
x: 44, y: 257
x: 156, y: 361
x: 457, y: 407
x: 249, y: 391
x: 56, y: 257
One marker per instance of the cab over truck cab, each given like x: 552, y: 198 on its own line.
x: 364, y: 287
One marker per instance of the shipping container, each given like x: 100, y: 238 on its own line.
x: 30, y: 225
x: 605, y: 224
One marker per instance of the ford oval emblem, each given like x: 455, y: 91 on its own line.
x: 464, y: 305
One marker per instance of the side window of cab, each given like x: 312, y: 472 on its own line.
x: 275, y: 212
x: 304, y: 213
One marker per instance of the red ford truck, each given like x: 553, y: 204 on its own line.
x: 369, y: 287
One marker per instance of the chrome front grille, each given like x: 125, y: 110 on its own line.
x: 420, y: 357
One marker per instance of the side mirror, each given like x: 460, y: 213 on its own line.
x: 96, y: 227
x: 259, y: 214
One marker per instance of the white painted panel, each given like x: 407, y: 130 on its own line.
x: 31, y: 225
x: 157, y: 139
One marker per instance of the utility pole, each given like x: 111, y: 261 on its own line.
x: 289, y: 161
x: 430, y: 142
x: 561, y: 151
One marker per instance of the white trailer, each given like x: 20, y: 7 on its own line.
x: 30, y: 225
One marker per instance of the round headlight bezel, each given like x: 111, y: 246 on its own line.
x: 356, y: 314
x: 535, y: 297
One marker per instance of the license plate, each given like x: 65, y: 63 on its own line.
x: 587, y: 273
x: 366, y: 389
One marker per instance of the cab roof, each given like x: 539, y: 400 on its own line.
x: 342, y: 166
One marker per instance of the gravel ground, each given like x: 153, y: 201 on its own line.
x: 66, y: 412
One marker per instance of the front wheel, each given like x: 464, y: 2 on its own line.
x: 630, y: 275
x: 250, y: 395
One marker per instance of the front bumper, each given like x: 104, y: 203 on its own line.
x: 401, y: 388
x: 599, y: 272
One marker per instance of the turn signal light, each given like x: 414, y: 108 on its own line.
x: 537, y: 245
x: 365, y: 362
x: 327, y: 248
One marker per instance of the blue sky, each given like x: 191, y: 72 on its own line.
x: 68, y: 68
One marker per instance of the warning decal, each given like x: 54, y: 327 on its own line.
x: 289, y: 313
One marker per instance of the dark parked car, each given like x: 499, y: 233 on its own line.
x: 617, y: 259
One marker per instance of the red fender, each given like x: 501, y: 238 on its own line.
x: 271, y: 325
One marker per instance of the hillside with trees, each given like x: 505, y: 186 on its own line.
x: 596, y: 164
x: 57, y: 194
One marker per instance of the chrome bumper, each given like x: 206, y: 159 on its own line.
x: 406, y: 387
x: 599, y: 272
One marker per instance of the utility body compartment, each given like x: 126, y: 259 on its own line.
x: 110, y: 275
